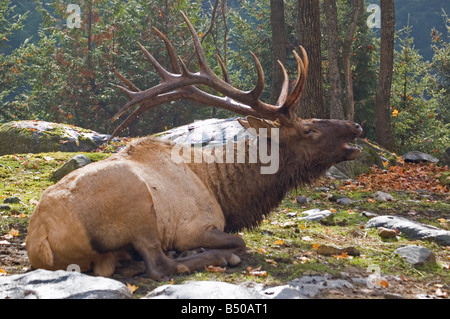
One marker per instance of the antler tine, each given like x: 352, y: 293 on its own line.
x: 257, y: 91
x: 249, y: 98
x: 302, y: 68
x: 161, y: 71
x: 126, y: 81
x: 284, y: 87
x: 170, y: 50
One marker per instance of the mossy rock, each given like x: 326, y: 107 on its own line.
x: 40, y: 136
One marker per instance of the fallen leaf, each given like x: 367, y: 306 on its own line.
x: 13, y: 232
x: 341, y: 256
x: 384, y: 284
x: 2, y: 272
x: 211, y: 268
x: 278, y: 242
x: 270, y: 261
x: 132, y: 288
x: 257, y: 272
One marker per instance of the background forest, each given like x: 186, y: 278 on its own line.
x: 49, y: 71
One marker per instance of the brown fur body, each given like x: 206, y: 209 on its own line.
x: 140, y: 199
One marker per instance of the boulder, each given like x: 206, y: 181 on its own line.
x: 75, y: 162
x: 44, y: 284
x: 416, y: 255
x: 315, y: 214
x: 412, y: 229
x: 203, y: 290
x: 383, y: 197
x: 418, y: 157
x: 301, y: 288
x: 206, y: 132
x: 41, y: 136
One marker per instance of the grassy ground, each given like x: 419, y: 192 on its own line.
x: 283, y: 247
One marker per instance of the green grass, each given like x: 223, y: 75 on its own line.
x: 26, y: 176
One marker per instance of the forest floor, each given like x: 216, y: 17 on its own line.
x: 284, y: 247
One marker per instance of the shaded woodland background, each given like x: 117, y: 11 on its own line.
x: 51, y: 72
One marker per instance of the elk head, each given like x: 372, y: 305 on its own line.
x: 319, y: 142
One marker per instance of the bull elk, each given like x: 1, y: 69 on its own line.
x: 141, y: 201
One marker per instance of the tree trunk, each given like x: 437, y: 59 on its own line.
x: 278, y: 46
x: 383, y: 126
x: 358, y: 10
x: 336, y: 107
x: 309, y: 36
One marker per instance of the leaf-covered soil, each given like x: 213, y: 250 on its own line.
x: 283, y: 247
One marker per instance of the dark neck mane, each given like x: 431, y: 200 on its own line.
x: 246, y: 195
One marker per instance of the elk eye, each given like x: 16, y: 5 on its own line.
x: 308, y: 132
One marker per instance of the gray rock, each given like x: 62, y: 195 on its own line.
x: 11, y: 200
x: 301, y: 288
x: 302, y: 200
x: 383, y: 197
x: 368, y: 214
x: 418, y: 157
x: 315, y: 214
x: 416, y: 255
x: 41, y: 136
x: 337, y: 173
x: 411, y: 229
x: 74, y: 163
x: 203, y: 290
x: 344, y: 201
x: 206, y: 132
x: 44, y: 284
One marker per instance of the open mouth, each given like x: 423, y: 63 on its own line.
x: 350, y: 152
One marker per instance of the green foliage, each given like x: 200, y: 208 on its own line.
x: 441, y: 71
x: 364, y: 61
x: 416, y: 116
x: 13, y: 66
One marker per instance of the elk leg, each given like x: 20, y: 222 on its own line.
x: 221, y: 250
x: 157, y: 264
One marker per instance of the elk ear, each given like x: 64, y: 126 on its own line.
x: 257, y: 124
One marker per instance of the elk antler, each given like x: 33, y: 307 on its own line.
x: 181, y: 85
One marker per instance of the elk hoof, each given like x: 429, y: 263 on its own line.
x: 181, y: 269
x: 234, y: 260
